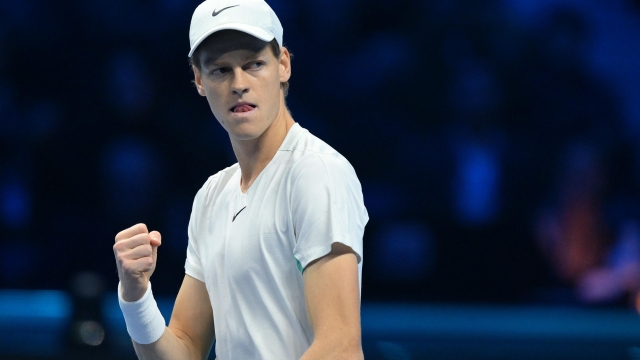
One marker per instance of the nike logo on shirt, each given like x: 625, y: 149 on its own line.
x: 215, y: 13
x: 234, y: 216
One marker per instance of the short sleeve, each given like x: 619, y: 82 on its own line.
x: 193, y: 265
x: 327, y: 206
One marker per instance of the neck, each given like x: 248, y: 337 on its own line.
x: 255, y: 154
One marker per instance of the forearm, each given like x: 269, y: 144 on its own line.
x: 153, y: 340
x: 171, y: 346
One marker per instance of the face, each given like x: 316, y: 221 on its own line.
x: 240, y: 77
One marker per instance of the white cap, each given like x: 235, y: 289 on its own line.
x: 254, y: 17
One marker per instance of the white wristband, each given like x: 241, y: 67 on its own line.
x: 145, y: 323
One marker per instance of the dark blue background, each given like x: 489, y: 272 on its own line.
x: 462, y: 118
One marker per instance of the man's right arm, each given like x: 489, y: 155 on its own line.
x: 190, y: 333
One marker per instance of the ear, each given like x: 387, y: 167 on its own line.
x: 198, y: 81
x: 285, y: 64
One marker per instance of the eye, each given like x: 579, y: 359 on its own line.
x: 219, y: 71
x: 255, y: 65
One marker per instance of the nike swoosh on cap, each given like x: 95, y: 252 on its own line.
x: 215, y: 13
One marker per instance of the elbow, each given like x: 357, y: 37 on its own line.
x: 350, y: 354
x: 347, y: 350
x: 354, y: 353
x: 338, y: 349
x: 348, y: 346
x: 350, y: 349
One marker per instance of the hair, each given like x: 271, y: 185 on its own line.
x: 194, y: 60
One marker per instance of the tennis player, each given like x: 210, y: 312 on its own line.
x: 274, y: 259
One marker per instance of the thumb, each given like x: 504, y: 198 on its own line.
x: 156, y: 238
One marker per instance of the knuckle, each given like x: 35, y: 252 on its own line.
x: 141, y: 239
x: 140, y: 228
x: 146, y: 264
x: 148, y: 249
x: 128, y: 267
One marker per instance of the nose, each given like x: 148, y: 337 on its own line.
x: 239, y: 85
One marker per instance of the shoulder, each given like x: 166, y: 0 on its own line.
x: 214, y: 184
x: 312, y: 155
x: 317, y: 172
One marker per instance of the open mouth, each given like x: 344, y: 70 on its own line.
x: 242, y: 108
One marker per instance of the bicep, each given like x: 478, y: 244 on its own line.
x: 192, y: 317
x: 332, y: 293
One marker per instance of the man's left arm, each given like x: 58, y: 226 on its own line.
x: 332, y: 294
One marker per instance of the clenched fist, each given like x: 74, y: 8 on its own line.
x: 136, y: 251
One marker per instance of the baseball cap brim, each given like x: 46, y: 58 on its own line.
x: 249, y: 29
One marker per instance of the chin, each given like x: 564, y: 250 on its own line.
x: 245, y: 137
x: 245, y: 132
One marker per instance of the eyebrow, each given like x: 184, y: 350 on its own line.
x: 208, y: 61
x: 246, y: 55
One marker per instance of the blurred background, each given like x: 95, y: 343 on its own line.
x: 496, y: 142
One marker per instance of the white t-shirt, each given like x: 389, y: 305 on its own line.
x: 250, y: 249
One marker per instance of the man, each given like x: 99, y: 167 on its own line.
x: 274, y: 258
